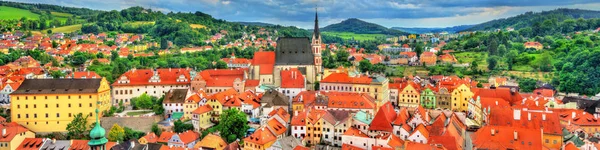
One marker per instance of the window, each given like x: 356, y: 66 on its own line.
x: 90, y: 104
x: 57, y: 106
x: 69, y: 105
x: 57, y: 115
x: 46, y: 115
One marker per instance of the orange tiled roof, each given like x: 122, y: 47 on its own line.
x: 211, y: 141
x: 292, y: 78
x: 151, y: 137
x: 79, y: 145
x: 350, y: 100
x: 84, y: 74
x: 352, y: 131
x: 276, y: 126
x: 504, y: 138
x: 299, y: 120
x: 350, y: 147
x: 202, y: 109
x: 383, y: 119
x: 31, y: 144
x: 165, y: 136
x: 188, y: 136
x: 12, y: 129
x: 167, y: 76
x: 344, y: 78
x: 261, y: 137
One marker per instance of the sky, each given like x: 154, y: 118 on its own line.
x: 300, y: 13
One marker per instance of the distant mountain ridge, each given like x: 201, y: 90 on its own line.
x: 360, y: 27
x: 417, y: 30
x: 256, y: 24
x: 529, y: 18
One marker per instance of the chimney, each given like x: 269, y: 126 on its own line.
x: 516, y: 135
x: 53, y: 141
x: 4, y: 131
x: 496, y: 103
x: 529, y: 116
x: 517, y: 114
x: 573, y: 115
x: 296, y: 113
x: 543, y: 117
x: 132, y: 144
x: 537, y: 103
x: 493, y: 131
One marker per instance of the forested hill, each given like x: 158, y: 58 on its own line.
x: 453, y: 29
x: 39, y: 8
x: 256, y: 24
x: 531, y: 18
x: 361, y: 27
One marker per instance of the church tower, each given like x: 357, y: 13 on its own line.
x: 97, y: 136
x: 316, y: 45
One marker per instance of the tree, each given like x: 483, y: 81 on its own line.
x: 419, y: 49
x: 474, y: 65
x: 57, y: 74
x: 527, y: 84
x: 545, y: 62
x: 131, y: 134
x: 156, y: 129
x: 179, y: 126
x: 492, y: 62
x: 77, y: 129
x: 365, y: 65
x: 144, y: 101
x: 502, y: 50
x: 233, y: 124
x: 511, y: 56
x: 49, y: 31
x: 116, y: 133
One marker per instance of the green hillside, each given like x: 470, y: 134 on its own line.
x: 360, y: 27
x: 8, y: 13
x: 350, y: 35
x: 529, y: 19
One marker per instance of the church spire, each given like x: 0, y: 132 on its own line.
x: 316, y: 29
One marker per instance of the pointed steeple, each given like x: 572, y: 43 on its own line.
x: 316, y: 29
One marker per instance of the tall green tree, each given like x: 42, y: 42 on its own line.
x: 545, y: 62
x: 233, y: 124
x: 527, y: 84
x: 510, y: 58
x: 492, y: 62
x: 116, y: 133
x: 144, y: 101
x: 78, y: 128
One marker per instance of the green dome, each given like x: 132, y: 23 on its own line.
x: 97, y: 134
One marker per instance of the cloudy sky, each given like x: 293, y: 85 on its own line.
x: 300, y: 13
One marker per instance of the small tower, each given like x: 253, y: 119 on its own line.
x: 97, y: 136
x: 316, y: 44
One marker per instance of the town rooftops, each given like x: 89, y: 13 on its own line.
x: 350, y: 100
x: 292, y: 78
x: 211, y: 141
x: 169, y: 76
x: 58, y: 86
x: 31, y: 144
x: 165, y: 136
x: 221, y: 77
x: 345, y: 78
x: 261, y: 136
x: 274, y: 98
x: 294, y: 51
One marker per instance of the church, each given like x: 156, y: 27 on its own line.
x: 291, y: 52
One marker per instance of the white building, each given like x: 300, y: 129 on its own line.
x: 292, y: 83
x: 154, y: 82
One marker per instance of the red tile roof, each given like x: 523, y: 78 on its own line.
x: 344, y: 78
x: 415, y: 145
x: 352, y: 131
x: 224, y: 96
x: 84, y: 74
x: 504, y: 138
x: 31, y: 144
x: 167, y: 77
x: 188, y: 136
x: 292, y: 78
x: 221, y: 77
x: 165, y: 136
x: 202, y: 109
x: 503, y: 93
x: 350, y: 147
x: 383, y: 119
x: 263, y: 57
x: 12, y: 129
x: 276, y: 126
x: 261, y: 136
x: 447, y: 141
x: 350, y: 100
x: 578, y: 117
x: 151, y: 137
x: 299, y: 120
x: 79, y: 145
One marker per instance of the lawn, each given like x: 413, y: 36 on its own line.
x: 350, y: 35
x: 137, y: 23
x: 542, y: 76
x: 65, y: 29
x: 396, y: 71
x: 197, y: 26
x: 138, y: 113
x: 468, y: 57
x: 59, y: 14
x: 8, y: 13
x: 415, y: 71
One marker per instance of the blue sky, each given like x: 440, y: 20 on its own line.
x: 300, y: 13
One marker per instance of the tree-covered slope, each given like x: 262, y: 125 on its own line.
x: 361, y: 27
x: 530, y: 18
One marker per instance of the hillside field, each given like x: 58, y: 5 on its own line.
x: 8, y: 13
x: 350, y: 35
x: 65, y: 29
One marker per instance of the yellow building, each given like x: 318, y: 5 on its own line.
x: 13, y: 135
x: 314, y: 126
x: 217, y: 100
x: 201, y: 118
x: 261, y: 139
x: 410, y: 95
x: 460, y: 98
x: 48, y: 105
x: 376, y: 86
